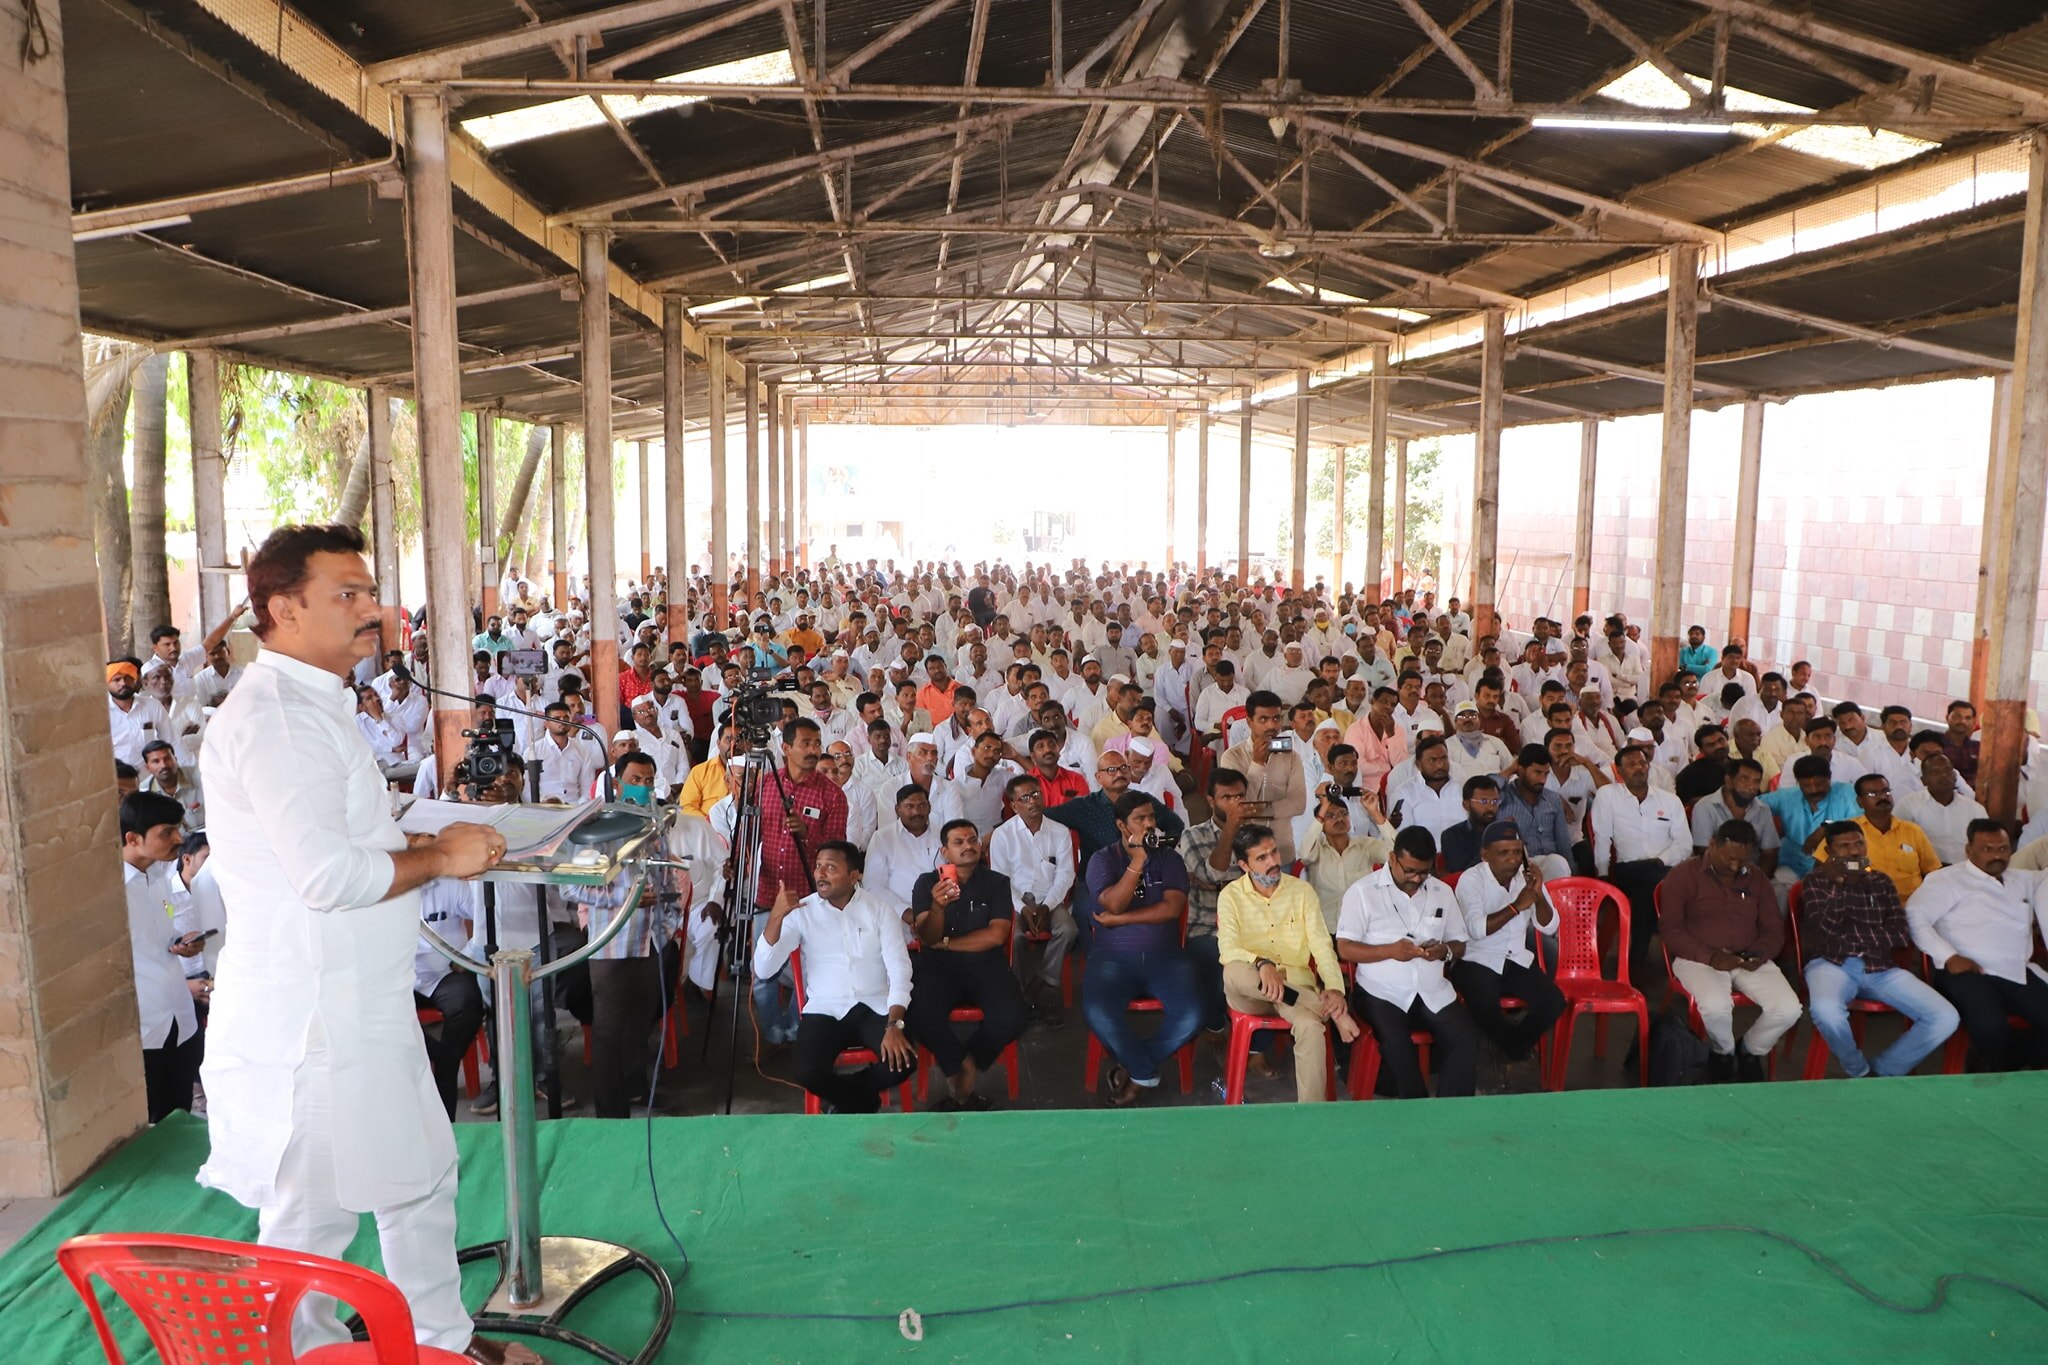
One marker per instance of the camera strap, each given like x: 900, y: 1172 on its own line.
x: 803, y: 854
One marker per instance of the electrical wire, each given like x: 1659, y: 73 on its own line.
x: 1935, y: 1302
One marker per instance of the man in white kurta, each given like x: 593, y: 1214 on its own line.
x: 321, y: 1105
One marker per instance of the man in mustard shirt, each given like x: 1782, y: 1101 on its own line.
x: 1276, y: 952
x: 1898, y: 848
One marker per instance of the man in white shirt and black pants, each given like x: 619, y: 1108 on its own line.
x: 856, y: 978
x: 1501, y: 899
x: 1403, y: 927
x: 1975, y: 921
x: 1639, y: 834
x: 321, y: 1104
x: 151, y: 834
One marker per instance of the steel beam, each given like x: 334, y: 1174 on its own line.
x: 107, y: 222
x: 1882, y: 339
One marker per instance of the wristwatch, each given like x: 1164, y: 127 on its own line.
x: 896, y: 1023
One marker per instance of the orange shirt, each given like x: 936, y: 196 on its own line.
x: 936, y: 700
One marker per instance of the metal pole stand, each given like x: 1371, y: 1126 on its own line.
x: 542, y: 1279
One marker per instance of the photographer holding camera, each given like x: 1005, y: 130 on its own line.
x: 1276, y: 788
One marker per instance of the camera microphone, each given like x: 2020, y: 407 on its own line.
x: 399, y: 670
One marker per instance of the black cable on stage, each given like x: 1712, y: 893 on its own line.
x: 1819, y: 1258
x: 654, y: 1083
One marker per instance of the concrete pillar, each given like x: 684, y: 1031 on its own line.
x: 1172, y: 486
x: 1400, y: 514
x: 1681, y: 340
x: 384, y: 516
x: 2012, y: 614
x: 558, y: 511
x: 771, y: 414
x: 675, y: 547
x: 1297, y: 575
x: 1582, y: 529
x: 1742, y: 554
x: 803, y: 487
x: 1376, y: 474
x: 1992, y: 537
x: 721, y: 555
x: 1244, y: 491
x: 209, y: 484
x: 752, y: 379
x: 487, y: 508
x: 1486, y: 478
x: 437, y: 386
x: 595, y: 268
x: 1202, y: 490
x: 1340, y: 472
x: 792, y: 550
x: 646, y: 514
x: 70, y: 1058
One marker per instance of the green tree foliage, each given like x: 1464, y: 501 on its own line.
x: 1425, y: 504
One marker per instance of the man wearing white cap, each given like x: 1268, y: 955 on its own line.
x: 1086, y: 703
x: 1170, y: 690
x: 1292, y: 677
x: 1473, y: 752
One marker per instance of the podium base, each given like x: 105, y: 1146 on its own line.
x: 571, y: 1267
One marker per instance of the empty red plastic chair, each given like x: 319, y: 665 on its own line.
x: 203, y: 1300
x: 1585, y: 987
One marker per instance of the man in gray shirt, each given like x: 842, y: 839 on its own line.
x: 1737, y: 801
x: 1538, y: 812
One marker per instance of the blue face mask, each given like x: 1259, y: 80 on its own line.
x: 637, y: 794
x: 1351, y: 627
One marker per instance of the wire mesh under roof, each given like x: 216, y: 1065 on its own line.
x: 1203, y: 201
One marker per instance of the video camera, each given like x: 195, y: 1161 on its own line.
x: 487, y: 760
x: 755, y: 713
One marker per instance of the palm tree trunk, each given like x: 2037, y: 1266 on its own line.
x: 107, y: 488
x: 355, y: 494
x: 522, y: 488
x: 151, y: 578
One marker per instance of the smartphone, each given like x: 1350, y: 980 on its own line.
x: 199, y: 937
x: 950, y: 873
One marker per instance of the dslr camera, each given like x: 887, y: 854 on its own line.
x: 1156, y: 839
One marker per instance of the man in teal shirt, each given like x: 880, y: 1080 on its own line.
x: 1698, y: 656
x: 1803, y: 811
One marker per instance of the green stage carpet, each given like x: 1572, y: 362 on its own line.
x: 1894, y: 1185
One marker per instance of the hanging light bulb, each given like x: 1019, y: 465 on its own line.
x: 1278, y: 123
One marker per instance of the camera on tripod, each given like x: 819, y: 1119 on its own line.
x: 487, y: 760
x: 755, y: 713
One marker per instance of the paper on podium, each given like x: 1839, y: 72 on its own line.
x: 530, y: 831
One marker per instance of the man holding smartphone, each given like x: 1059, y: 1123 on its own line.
x: 1501, y: 898
x: 963, y: 915
x: 1719, y: 917
x: 1276, y: 788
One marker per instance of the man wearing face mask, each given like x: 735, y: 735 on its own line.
x: 1852, y: 926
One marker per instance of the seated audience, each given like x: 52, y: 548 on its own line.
x: 1502, y: 899
x: 963, y: 915
x: 1976, y: 922
x: 1721, y: 924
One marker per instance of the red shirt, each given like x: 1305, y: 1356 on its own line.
x: 1064, y: 785
x: 632, y: 685
x: 783, y: 863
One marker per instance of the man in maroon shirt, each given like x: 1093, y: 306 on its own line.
x: 801, y: 811
x: 1720, y: 920
x: 700, y: 701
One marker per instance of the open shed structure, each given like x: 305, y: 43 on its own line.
x: 1351, y: 222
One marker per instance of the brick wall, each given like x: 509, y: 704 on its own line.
x: 1869, y: 513
x: 70, y: 1055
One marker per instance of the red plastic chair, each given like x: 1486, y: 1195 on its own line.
x: 1859, y: 1009
x: 1692, y: 1007
x: 1239, y: 1056
x: 203, y: 1300
x: 1091, y: 1067
x: 1586, y: 988
x: 1365, y: 1060
x: 971, y: 1014
x: 851, y: 1057
x: 472, y: 1060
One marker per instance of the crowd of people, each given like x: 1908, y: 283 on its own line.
x: 986, y: 783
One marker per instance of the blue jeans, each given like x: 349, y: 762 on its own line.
x: 1115, y: 980
x: 1830, y: 987
x: 775, y: 1016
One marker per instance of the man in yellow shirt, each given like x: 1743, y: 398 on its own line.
x: 1898, y: 848
x: 1276, y: 951
x: 805, y: 634
x: 706, y: 785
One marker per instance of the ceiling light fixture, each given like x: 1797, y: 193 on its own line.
x: 1635, y: 125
